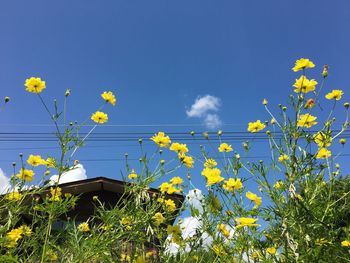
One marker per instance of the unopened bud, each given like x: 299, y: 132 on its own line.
x: 206, y: 135
x: 342, y: 141
x: 337, y: 166
x: 140, y: 141
x: 220, y: 133
x: 7, y: 99
x: 325, y: 71
x: 13, y: 164
x: 346, y: 105
x: 47, y: 172
x: 21, y: 155
x: 238, y: 156
x: 67, y: 93
x: 284, y: 108
x: 268, y: 133
x: 192, y: 133
x: 264, y: 102
x: 71, y: 124
x: 300, y: 97
x: 273, y: 121
x: 162, y: 162
x: 160, y: 151
x: 126, y: 155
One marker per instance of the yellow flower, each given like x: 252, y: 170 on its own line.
x: 322, y: 139
x: 25, y: 175
x: 210, y: 163
x: 56, y: 194
x: 179, y: 147
x: 150, y: 254
x: 13, y: 236
x: 173, y: 230
x: 14, y: 196
x: 253, y: 197
x: 303, y: 63
x: 306, y: 120
x: 176, y: 180
x: 161, y: 139
x: 256, y: 126
x: 278, y: 185
x: 99, y: 117
x: 186, y: 160
x: 283, y: 157
x: 232, y: 184
x: 309, y: 104
x: 323, y: 153
x: 125, y: 221
x: 109, y: 97
x: 342, y: 141
x: 335, y: 94
x: 222, y: 228
x: 132, y: 175
x: 170, y: 205
x: 26, y: 230
x: 271, y: 250
x: 304, y: 85
x: 158, y: 219
x: 51, y: 255
x: 125, y: 257
x: 213, y: 175
x: 345, y: 243
x: 224, y: 147
x: 35, y: 85
x: 84, y: 227
x: 168, y: 188
x: 219, y: 250
x: 35, y: 160
x: 246, y: 221
x: 50, y: 162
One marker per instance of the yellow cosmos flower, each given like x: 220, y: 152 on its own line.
x: 210, y: 163
x: 170, y: 205
x: 283, y: 157
x: 26, y: 230
x: 256, y: 126
x: 232, y: 184
x: 158, y: 219
x: 25, y: 175
x: 224, y: 147
x: 222, y: 228
x: 271, y: 250
x: 253, y: 197
x: 99, y: 117
x: 109, y: 97
x: 345, y: 243
x: 306, y: 120
x: 322, y: 139
x: 50, y: 162
x: 35, y: 160
x: 132, y: 175
x: 176, y: 180
x: 323, y: 153
x: 278, y: 185
x: 179, y: 147
x: 161, y: 139
x: 213, y: 175
x: 168, y: 188
x: 13, y: 196
x: 304, y: 85
x: 303, y: 63
x: 186, y: 160
x: 84, y: 227
x: 56, y: 194
x: 34, y: 85
x: 335, y: 94
x: 51, y: 256
x: 246, y: 221
x: 125, y: 221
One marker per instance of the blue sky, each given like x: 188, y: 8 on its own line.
x: 158, y: 57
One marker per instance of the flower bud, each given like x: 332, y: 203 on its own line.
x: 160, y: 151
x: 220, y: 133
x: 264, y: 102
x: 67, y: 93
x: 346, y: 105
x: 284, y: 108
x: 273, y: 121
x: 206, y: 135
x: 342, y: 141
x: 7, y: 99
x: 337, y: 166
x: 268, y: 133
x: 140, y: 141
x: 20, y: 155
x: 13, y: 164
x: 309, y: 104
x: 238, y: 156
x: 47, y: 172
x: 192, y: 133
x: 71, y: 124
x: 325, y: 71
x: 300, y: 97
x: 162, y: 162
x: 126, y: 155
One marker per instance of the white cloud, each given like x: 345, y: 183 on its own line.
x: 76, y: 174
x: 212, y: 121
x: 202, y: 105
x: 4, y: 182
x: 194, y: 198
x: 203, y: 108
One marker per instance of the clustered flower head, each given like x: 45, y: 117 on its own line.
x: 25, y: 175
x: 16, y: 234
x: 306, y: 120
x: 224, y: 147
x: 179, y: 147
x: 304, y: 85
x: 335, y: 94
x: 256, y: 126
x: 253, y: 197
x: 99, y: 117
x: 232, y: 184
x: 213, y: 175
x: 161, y: 140
x: 303, y: 63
